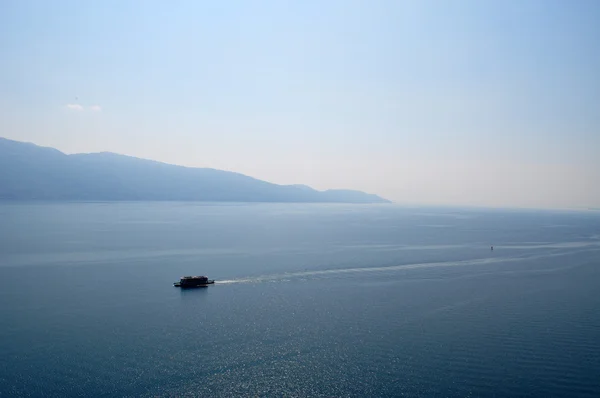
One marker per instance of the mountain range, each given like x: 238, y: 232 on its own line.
x: 31, y: 172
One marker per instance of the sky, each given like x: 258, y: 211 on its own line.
x: 475, y: 103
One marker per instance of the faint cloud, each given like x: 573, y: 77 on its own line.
x: 81, y: 108
x: 74, y: 107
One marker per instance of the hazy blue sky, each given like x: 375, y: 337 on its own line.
x: 461, y: 102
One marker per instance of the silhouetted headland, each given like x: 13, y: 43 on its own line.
x: 31, y: 172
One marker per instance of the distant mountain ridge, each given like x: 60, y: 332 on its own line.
x: 31, y: 172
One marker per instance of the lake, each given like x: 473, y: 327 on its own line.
x: 310, y: 300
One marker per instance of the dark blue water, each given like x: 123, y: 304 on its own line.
x: 312, y: 300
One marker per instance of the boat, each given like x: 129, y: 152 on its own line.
x: 193, y: 281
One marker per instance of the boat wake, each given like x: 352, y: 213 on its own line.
x: 337, y: 271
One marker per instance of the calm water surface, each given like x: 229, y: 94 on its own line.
x: 312, y: 300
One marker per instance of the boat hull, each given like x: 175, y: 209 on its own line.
x: 193, y: 285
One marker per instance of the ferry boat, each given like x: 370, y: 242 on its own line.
x: 193, y: 281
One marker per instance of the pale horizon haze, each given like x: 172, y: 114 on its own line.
x: 475, y: 103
